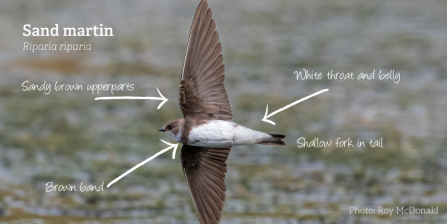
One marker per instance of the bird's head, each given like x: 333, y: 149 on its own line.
x: 173, y: 129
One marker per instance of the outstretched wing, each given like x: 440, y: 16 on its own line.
x: 204, y: 170
x: 202, y: 91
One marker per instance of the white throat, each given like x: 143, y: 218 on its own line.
x: 177, y: 137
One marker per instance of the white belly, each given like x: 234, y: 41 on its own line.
x: 217, y: 133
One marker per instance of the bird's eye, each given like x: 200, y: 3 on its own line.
x: 169, y: 127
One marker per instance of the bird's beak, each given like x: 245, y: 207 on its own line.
x: 162, y: 130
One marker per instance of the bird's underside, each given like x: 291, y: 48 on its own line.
x: 202, y: 97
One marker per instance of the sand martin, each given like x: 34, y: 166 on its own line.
x: 207, y: 131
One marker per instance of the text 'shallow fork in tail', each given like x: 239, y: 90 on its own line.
x: 274, y: 140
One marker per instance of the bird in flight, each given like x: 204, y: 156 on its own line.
x: 207, y: 131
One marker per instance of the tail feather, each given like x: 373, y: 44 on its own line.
x: 274, y: 140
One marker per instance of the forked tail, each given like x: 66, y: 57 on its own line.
x: 275, y: 139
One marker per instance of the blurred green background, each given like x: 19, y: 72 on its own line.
x: 68, y: 138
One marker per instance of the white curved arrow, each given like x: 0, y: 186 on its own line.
x: 136, y: 98
x: 147, y: 160
x: 288, y: 106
